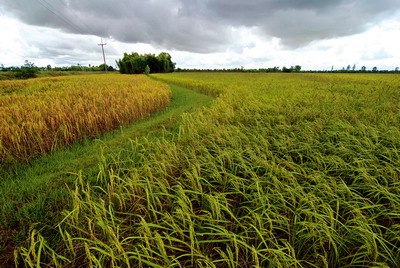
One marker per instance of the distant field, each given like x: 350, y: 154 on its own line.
x: 40, y: 115
x: 9, y: 75
x: 282, y: 170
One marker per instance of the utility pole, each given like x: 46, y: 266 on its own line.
x: 104, y: 57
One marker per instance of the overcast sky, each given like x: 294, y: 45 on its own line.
x: 315, y: 34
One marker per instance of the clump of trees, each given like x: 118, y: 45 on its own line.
x: 292, y: 69
x: 136, y: 64
x: 29, y: 70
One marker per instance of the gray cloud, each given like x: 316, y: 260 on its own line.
x: 204, y: 25
x: 298, y: 22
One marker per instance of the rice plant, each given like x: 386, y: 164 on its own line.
x: 283, y: 170
x: 40, y: 115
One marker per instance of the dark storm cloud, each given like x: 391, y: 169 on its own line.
x: 204, y: 25
x: 298, y: 22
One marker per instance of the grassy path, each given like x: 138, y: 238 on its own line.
x: 38, y: 192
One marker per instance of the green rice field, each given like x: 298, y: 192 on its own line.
x: 279, y: 170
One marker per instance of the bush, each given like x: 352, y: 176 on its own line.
x: 147, y: 70
x: 29, y: 70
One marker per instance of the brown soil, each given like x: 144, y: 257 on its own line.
x: 7, y: 246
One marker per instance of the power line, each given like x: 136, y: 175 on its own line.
x: 48, y: 7
x: 81, y: 22
x: 58, y: 14
x: 61, y: 14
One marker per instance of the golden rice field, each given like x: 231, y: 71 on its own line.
x: 40, y: 115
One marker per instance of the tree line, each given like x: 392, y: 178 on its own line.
x: 293, y: 69
x: 30, y: 70
x: 90, y: 68
x: 150, y: 63
x: 147, y: 63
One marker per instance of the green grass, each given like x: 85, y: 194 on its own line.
x: 6, y: 75
x: 282, y: 170
x: 38, y: 192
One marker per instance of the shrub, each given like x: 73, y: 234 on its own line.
x: 29, y: 70
x: 147, y: 70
